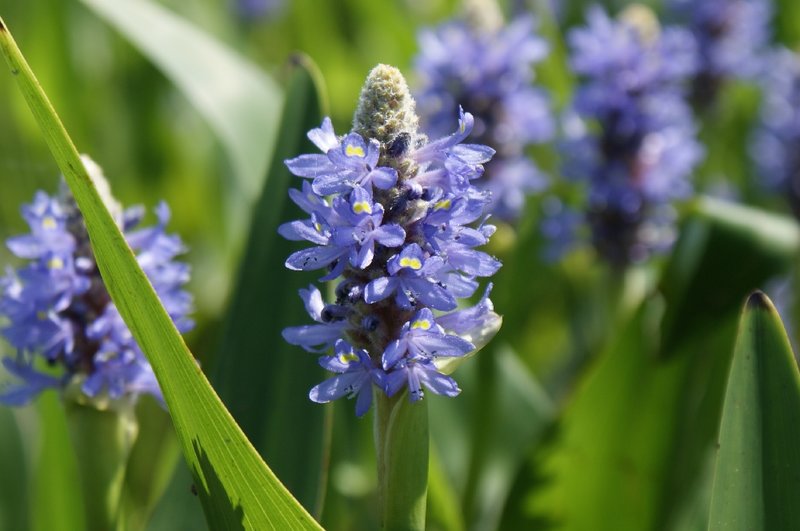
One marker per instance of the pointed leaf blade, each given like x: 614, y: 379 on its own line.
x: 757, y: 478
x: 237, y: 489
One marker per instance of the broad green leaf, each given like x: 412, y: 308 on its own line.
x: 236, y: 487
x: 633, y: 438
x: 757, y: 479
x: 262, y: 379
x: 240, y: 102
x: 725, y: 250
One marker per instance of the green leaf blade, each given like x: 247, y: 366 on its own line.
x: 236, y: 487
x: 757, y: 479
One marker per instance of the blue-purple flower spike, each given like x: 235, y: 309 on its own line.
x: 776, y: 142
x: 486, y: 66
x: 391, y: 218
x: 731, y: 37
x: 57, y: 311
x: 630, y: 136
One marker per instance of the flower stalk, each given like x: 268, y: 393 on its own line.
x: 401, y: 446
x: 102, y: 439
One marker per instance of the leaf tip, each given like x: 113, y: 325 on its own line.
x: 2, y: 25
x: 758, y: 300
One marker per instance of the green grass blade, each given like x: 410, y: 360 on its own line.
x: 757, y: 479
x: 263, y: 380
x: 240, y: 102
x: 237, y: 489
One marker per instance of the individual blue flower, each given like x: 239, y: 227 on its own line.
x: 629, y: 136
x: 352, y: 228
x: 401, y: 248
x: 491, y: 74
x: 356, y: 372
x: 412, y: 278
x: 731, y: 38
x: 775, y: 145
x: 422, y: 338
x: 59, y: 317
x: 347, y: 164
x: 416, y: 373
x: 318, y: 337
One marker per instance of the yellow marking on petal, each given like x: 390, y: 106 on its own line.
x: 49, y: 222
x: 413, y: 263
x: 462, y: 126
x: 362, y: 206
x: 318, y: 227
x: 424, y: 324
x: 444, y: 204
x: 347, y: 357
x: 41, y: 315
x: 354, y: 151
x: 55, y: 263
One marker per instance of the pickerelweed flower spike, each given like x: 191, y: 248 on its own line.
x: 639, y: 157
x: 731, y: 37
x: 492, y: 76
x: 59, y: 314
x: 390, y: 218
x: 775, y: 146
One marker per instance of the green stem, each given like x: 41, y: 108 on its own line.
x: 401, y: 445
x: 102, y: 440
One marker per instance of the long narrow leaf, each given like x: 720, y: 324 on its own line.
x: 236, y: 487
x: 757, y: 481
x: 240, y: 102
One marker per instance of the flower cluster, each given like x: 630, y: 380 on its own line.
x: 730, y: 35
x: 58, y: 313
x: 492, y: 76
x: 390, y: 215
x: 630, y: 136
x: 776, y: 142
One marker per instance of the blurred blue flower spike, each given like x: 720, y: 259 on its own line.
x: 392, y: 218
x: 731, y: 37
x: 776, y: 139
x: 491, y: 75
x: 629, y: 136
x: 59, y: 314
